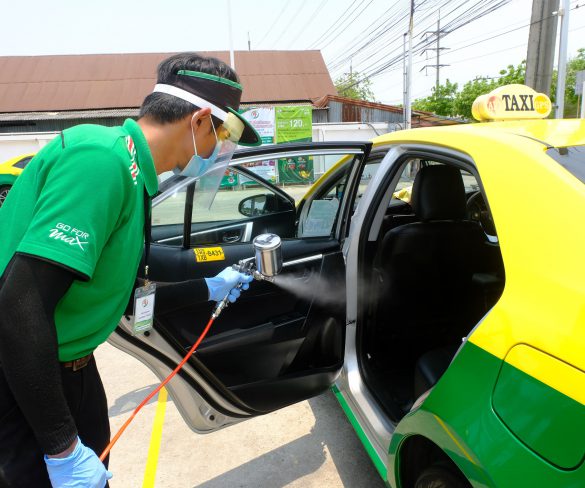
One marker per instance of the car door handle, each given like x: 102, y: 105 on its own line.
x: 233, y: 238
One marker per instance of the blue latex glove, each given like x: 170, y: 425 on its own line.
x: 225, y: 282
x: 82, y: 468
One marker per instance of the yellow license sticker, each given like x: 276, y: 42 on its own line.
x: 205, y: 254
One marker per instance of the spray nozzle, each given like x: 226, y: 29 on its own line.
x: 264, y: 266
x: 267, y: 261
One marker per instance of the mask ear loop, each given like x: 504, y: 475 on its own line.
x: 193, y: 132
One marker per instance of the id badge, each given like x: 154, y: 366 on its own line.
x: 143, y: 308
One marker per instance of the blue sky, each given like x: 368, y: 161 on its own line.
x: 37, y: 27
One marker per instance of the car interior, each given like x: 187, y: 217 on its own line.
x: 433, y: 272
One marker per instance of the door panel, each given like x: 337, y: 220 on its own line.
x: 274, y: 346
x: 270, y: 336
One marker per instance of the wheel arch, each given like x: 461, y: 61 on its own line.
x: 416, y: 453
x: 7, y: 180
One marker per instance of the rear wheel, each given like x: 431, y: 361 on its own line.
x: 440, y: 477
x: 4, y: 193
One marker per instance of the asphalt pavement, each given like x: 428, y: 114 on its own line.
x: 310, y: 444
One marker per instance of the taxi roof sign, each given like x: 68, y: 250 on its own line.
x: 511, y: 102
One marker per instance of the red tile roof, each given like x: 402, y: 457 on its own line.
x: 106, y: 81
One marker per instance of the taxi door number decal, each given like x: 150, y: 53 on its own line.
x: 206, y: 254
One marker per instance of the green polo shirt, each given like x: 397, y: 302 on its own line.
x: 80, y: 203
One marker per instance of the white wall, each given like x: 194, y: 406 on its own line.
x: 12, y: 145
x: 346, y: 131
x: 350, y: 131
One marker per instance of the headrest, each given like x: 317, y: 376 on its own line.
x: 438, y: 193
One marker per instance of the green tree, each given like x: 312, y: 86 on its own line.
x: 447, y: 100
x: 480, y: 86
x: 571, y: 98
x: 440, y: 102
x: 349, y: 85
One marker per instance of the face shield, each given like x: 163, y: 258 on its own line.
x: 211, y: 173
x: 208, y: 172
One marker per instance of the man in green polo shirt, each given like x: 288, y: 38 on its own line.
x: 73, y: 236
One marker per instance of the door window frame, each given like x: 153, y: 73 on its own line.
x: 262, y: 153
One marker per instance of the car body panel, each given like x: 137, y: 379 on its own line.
x: 541, y: 306
x: 458, y: 416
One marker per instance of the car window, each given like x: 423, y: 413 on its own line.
x: 368, y: 172
x: 238, y: 198
x: 572, y: 158
x: 296, y: 175
x: 170, y: 211
x: 22, y: 163
x: 320, y: 211
x: 253, y: 199
x: 403, y: 189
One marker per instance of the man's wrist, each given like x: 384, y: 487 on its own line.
x: 66, y: 452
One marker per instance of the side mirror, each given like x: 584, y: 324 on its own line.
x: 253, y: 206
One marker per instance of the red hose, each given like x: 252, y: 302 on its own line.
x: 158, y: 388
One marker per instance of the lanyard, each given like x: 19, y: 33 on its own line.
x: 147, y: 232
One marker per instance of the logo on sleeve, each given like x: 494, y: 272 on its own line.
x: 134, y: 170
x: 69, y: 235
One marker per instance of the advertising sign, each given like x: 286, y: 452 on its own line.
x: 262, y: 119
x: 230, y: 179
x: 264, y: 169
x: 294, y: 124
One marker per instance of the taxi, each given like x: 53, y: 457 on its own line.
x: 433, y: 279
x: 9, y: 171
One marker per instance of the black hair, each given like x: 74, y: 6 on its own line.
x: 164, y: 108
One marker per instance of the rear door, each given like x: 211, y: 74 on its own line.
x: 276, y: 345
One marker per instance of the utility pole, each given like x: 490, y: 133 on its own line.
x: 437, y: 65
x: 408, y: 109
x: 249, y: 43
x: 562, y: 69
x: 232, y: 60
x: 540, y: 54
x: 404, y: 81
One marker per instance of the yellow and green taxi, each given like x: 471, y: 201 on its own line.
x: 9, y: 171
x: 433, y: 278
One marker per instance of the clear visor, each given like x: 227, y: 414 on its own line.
x: 210, y: 177
x: 209, y: 183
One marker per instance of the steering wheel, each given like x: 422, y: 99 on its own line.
x: 478, y: 212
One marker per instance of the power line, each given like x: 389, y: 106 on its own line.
x: 398, y: 39
x: 296, y: 14
x: 315, y: 43
x: 312, y: 18
x: 485, y: 40
x: 377, y: 35
x: 286, y: 4
x: 363, y: 34
x: 348, y: 19
x: 479, y: 10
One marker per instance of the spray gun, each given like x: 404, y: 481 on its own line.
x: 263, y: 266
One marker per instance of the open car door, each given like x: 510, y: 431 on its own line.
x: 274, y: 346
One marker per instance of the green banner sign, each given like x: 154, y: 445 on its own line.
x: 294, y: 124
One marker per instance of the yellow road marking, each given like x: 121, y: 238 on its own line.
x: 155, y: 438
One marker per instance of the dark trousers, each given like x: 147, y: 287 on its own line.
x: 21, y: 459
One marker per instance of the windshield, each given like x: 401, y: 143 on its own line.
x: 572, y: 158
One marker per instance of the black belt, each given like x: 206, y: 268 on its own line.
x: 78, y: 364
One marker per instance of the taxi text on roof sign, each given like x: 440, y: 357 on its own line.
x: 511, y: 102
